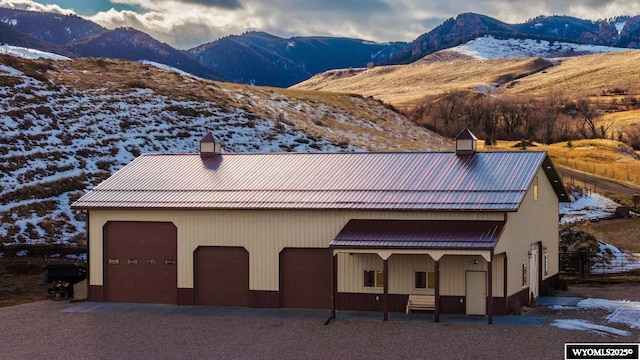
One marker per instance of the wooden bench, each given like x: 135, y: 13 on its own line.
x: 421, y: 302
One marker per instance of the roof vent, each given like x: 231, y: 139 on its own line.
x: 209, y: 147
x: 466, y: 143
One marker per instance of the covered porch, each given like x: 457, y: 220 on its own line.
x: 383, y: 255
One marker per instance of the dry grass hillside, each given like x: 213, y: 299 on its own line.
x: 339, y: 118
x: 589, y: 75
x: 405, y: 85
x: 67, y: 125
x: 445, y: 72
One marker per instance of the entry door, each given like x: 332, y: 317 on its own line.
x: 534, y: 266
x: 476, y: 292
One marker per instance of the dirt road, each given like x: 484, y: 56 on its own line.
x: 597, y: 183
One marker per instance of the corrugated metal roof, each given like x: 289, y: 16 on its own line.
x: 421, y: 234
x: 492, y: 181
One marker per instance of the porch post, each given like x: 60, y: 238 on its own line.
x: 504, y: 286
x: 490, y: 290
x: 334, y: 290
x: 437, y: 292
x: 385, y: 298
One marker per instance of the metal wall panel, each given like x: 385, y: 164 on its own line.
x: 535, y: 221
x: 261, y: 232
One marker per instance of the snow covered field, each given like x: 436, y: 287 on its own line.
x: 597, y: 207
x: 488, y: 47
x: 621, y: 312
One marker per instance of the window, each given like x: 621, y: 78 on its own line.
x: 425, y: 280
x: 421, y: 279
x: 524, y: 274
x: 535, y: 188
x: 373, y: 278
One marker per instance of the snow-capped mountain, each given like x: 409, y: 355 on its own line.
x: 259, y: 58
x: 621, y: 32
x: 488, y: 47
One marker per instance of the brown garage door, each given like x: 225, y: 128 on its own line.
x: 140, y: 262
x: 305, y: 278
x: 221, y: 276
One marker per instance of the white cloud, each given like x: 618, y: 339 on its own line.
x: 186, y: 23
x: 34, y: 6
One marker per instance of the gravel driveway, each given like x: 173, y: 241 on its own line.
x: 41, y: 331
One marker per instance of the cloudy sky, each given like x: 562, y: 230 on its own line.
x: 187, y: 23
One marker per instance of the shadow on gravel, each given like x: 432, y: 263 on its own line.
x: 306, y: 314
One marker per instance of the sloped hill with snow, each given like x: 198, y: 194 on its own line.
x: 489, y: 47
x: 67, y: 125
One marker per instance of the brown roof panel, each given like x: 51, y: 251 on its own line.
x: 491, y: 181
x: 419, y: 234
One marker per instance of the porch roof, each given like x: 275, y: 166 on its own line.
x: 419, y: 234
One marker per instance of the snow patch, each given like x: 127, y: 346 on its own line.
x: 166, y: 67
x: 27, y: 53
x: 584, y: 325
x: 587, y: 208
x: 488, y: 47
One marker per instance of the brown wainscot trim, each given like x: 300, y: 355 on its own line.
x: 371, y: 302
x: 519, y: 299
x: 264, y: 299
x: 96, y: 293
x: 453, y: 304
x: 499, y: 306
x: 186, y: 296
x: 549, y: 284
x: 359, y: 301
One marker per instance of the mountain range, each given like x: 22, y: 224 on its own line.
x: 259, y: 58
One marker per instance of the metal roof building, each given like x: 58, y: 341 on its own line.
x: 476, y: 232
x: 488, y: 181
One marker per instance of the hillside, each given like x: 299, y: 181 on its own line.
x: 275, y: 61
x: 620, y: 32
x: 467, y: 68
x: 404, y: 85
x: 67, y: 125
x: 259, y: 58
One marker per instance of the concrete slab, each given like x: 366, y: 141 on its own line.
x: 552, y: 300
x: 320, y: 315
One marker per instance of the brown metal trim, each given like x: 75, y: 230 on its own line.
x: 437, y: 292
x: 104, y: 262
x: 519, y: 299
x: 540, y: 268
x: 490, y: 290
x: 186, y: 296
x: 269, y: 299
x: 385, y: 294
x: 334, y: 279
x: 88, y: 255
x: 96, y: 293
x: 371, y: 302
x: 506, y: 282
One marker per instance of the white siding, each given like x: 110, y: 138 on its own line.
x: 263, y: 233
x: 535, y: 221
